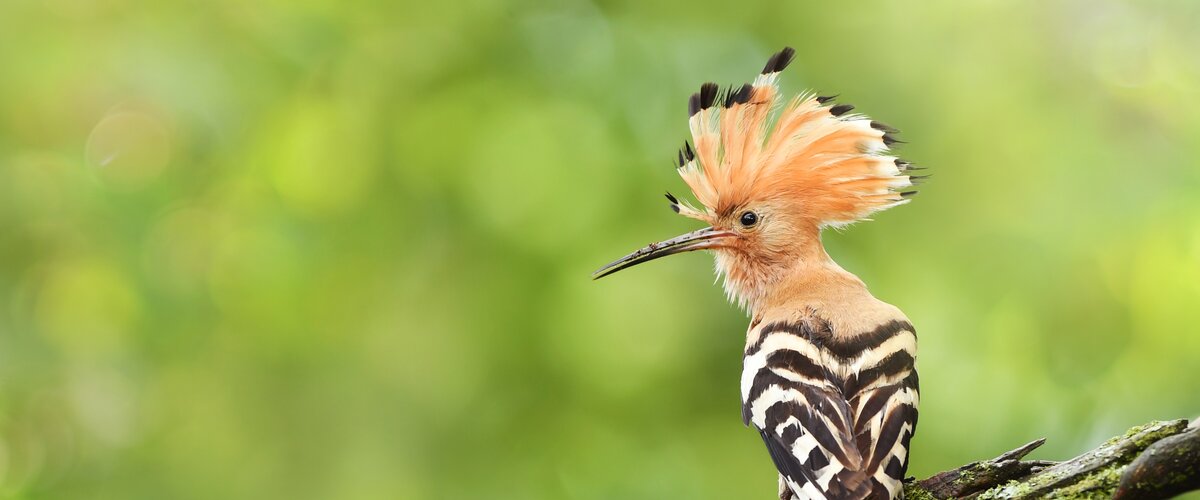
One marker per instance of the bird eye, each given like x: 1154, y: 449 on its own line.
x: 749, y: 219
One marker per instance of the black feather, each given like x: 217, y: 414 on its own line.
x: 739, y: 96
x: 693, y: 105
x: 785, y: 58
x: 883, y: 127
x: 685, y: 154
x: 785, y: 463
x: 674, y: 202
x: 708, y: 95
x: 840, y: 109
x: 889, y: 139
x: 825, y: 98
x: 908, y: 194
x: 779, y: 61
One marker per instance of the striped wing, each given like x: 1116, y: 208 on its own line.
x: 836, y: 416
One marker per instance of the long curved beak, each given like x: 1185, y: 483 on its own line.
x: 696, y: 240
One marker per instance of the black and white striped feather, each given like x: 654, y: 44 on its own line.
x: 836, y: 413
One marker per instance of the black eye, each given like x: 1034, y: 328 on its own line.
x: 749, y: 219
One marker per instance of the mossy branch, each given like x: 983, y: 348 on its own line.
x: 1156, y: 460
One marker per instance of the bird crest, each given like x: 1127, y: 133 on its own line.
x: 830, y: 166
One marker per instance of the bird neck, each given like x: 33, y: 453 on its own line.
x: 807, y: 272
x: 827, y: 293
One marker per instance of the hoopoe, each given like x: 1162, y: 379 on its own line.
x: 828, y: 374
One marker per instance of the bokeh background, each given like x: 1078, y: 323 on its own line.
x: 321, y: 249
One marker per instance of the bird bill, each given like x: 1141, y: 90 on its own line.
x: 701, y: 239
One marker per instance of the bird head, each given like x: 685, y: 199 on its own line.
x: 768, y: 176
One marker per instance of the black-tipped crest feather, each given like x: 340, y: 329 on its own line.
x: 779, y: 61
x: 708, y: 95
x: 738, y: 96
x: 686, y: 154
x: 883, y: 127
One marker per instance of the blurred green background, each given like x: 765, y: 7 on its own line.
x: 342, y: 249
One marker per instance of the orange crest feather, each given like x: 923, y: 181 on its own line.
x: 834, y: 166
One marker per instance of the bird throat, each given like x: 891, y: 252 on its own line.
x: 755, y: 283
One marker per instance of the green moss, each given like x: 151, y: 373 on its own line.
x: 1010, y: 489
x: 914, y: 492
x: 1151, y: 432
x: 1099, y: 484
x: 1020, y: 489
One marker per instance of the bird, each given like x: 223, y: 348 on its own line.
x: 829, y: 376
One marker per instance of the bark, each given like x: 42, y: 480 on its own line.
x: 1168, y: 467
x: 1156, y: 460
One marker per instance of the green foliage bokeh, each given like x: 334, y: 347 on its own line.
x: 342, y: 249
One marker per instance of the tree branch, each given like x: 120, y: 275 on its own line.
x: 1156, y: 460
